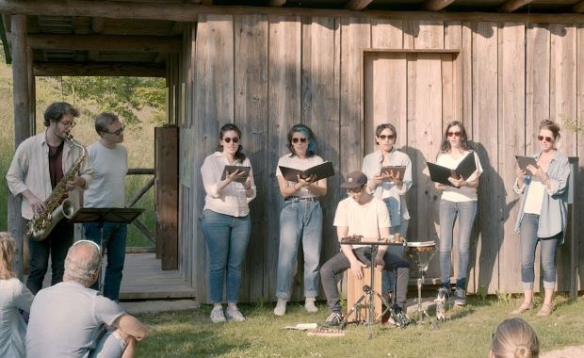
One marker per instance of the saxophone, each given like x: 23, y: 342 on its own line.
x: 42, y: 224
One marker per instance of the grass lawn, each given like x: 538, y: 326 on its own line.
x: 467, y: 333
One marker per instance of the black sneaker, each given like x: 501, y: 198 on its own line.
x: 400, y: 318
x: 441, y: 304
x: 460, y: 297
x: 334, y: 319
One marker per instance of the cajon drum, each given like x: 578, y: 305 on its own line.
x: 355, y: 291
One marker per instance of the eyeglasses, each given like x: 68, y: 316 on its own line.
x: 386, y: 137
x: 68, y: 124
x: 229, y: 139
x: 117, y: 131
x: 453, y: 134
x: 545, y: 139
x: 301, y: 140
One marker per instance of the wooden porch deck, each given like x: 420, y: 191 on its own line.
x: 144, y: 279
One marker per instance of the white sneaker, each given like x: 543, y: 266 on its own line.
x: 217, y: 315
x: 233, y: 314
x: 280, y: 309
x: 309, y: 305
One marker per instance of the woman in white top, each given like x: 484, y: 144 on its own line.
x: 390, y: 187
x: 300, y: 219
x: 13, y: 296
x: 543, y: 214
x: 225, y: 221
x: 458, y: 202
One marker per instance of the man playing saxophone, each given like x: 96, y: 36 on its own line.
x: 41, y: 167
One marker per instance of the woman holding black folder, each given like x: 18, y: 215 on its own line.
x: 225, y: 221
x: 458, y: 202
x: 300, y: 219
x: 389, y: 174
x: 542, y: 214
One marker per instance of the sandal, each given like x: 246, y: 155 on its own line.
x: 545, y: 310
x: 523, y: 308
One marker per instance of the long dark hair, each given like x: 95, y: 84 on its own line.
x: 464, y: 144
x: 239, y: 156
x: 304, y: 129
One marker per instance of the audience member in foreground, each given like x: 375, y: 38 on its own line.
x: 13, y: 296
x: 72, y: 320
x: 514, y: 338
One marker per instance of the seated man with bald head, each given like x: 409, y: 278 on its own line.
x: 72, y: 320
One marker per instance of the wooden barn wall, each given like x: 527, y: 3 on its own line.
x: 266, y: 73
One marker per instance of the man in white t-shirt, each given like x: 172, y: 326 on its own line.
x: 362, y: 214
x: 109, y: 160
x: 72, y: 320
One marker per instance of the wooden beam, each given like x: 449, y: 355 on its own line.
x: 152, y: 44
x: 191, y: 12
x: 578, y: 7
x: 513, y: 5
x: 277, y: 3
x: 22, y: 130
x: 436, y: 5
x: 358, y: 5
x: 99, y: 69
x: 97, y: 25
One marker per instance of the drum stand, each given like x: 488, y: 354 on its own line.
x: 422, y: 313
x: 370, y: 293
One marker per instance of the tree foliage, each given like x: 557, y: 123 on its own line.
x: 121, y: 95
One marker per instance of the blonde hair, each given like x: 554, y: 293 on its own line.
x: 7, y: 248
x: 515, y: 338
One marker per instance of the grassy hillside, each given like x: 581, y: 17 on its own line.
x: 139, y: 137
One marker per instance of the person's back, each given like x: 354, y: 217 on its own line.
x: 13, y: 296
x: 66, y: 319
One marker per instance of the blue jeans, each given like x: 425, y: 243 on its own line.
x: 56, y: 245
x: 529, y: 241
x: 227, y: 237
x: 466, y: 213
x: 114, y: 244
x: 299, y: 219
x: 388, y: 278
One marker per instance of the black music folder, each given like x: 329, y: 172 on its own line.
x: 399, y: 170
x: 523, y: 162
x: 101, y: 215
x: 231, y: 168
x: 321, y: 171
x: 464, y: 170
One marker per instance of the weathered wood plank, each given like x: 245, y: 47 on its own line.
x: 213, y: 107
x: 579, y: 198
x: 167, y: 44
x: 386, y: 34
x: 430, y: 35
x: 283, y: 112
x: 511, y: 139
x: 251, y: 115
x: 563, y: 104
x: 321, y: 103
x: 484, y: 136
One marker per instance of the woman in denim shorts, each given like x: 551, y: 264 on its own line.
x: 300, y: 219
x: 225, y: 222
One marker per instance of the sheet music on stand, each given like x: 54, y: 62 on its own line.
x: 102, y: 215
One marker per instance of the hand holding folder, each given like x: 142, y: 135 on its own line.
x: 240, y: 177
x: 393, y: 172
x: 524, y: 162
x: 464, y: 170
x: 320, y: 171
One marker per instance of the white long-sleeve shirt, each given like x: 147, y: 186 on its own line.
x: 232, y: 200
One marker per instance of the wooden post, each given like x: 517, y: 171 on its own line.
x: 16, y: 223
x: 166, y: 159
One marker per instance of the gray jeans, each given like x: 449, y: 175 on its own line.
x: 340, y: 263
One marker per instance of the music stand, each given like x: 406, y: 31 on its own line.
x: 101, y: 216
x: 368, y: 291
